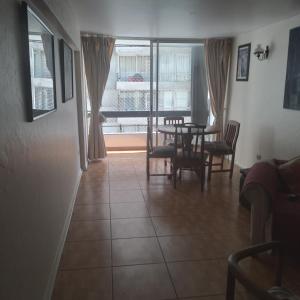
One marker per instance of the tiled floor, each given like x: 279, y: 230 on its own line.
x: 131, y: 239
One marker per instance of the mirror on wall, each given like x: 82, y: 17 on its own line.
x: 40, y: 45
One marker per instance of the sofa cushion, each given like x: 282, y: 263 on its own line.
x: 290, y: 175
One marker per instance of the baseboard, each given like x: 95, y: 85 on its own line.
x: 127, y: 148
x: 55, y: 265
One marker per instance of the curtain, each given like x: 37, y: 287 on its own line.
x: 199, y: 92
x: 97, y: 52
x: 217, y: 58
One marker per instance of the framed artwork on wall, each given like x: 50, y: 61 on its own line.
x: 243, y: 62
x: 40, y: 65
x: 66, y: 62
x: 292, y: 81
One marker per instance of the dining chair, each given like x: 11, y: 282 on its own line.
x: 221, y: 148
x: 158, y: 152
x: 236, y: 273
x: 189, y: 150
x: 169, y: 139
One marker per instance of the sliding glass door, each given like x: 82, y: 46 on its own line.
x: 147, y: 78
x: 171, y: 79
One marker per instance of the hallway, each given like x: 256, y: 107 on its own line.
x: 130, y: 239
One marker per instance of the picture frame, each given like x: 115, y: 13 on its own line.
x: 66, y: 62
x: 292, y: 81
x: 243, y: 62
x: 39, y: 63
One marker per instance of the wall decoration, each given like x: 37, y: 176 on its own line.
x: 243, y: 62
x: 40, y: 66
x: 292, y: 82
x: 66, y: 56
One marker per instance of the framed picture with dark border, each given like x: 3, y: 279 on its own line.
x: 39, y: 63
x: 66, y: 62
x: 292, y: 81
x: 243, y: 62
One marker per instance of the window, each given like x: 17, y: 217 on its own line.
x: 126, y: 99
x: 182, y: 100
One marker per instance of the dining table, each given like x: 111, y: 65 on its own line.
x: 171, y: 130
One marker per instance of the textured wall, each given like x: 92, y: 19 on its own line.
x: 39, y: 169
x: 266, y: 128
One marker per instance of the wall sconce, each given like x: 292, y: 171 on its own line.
x: 261, y: 53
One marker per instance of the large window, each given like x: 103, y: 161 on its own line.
x: 127, y: 98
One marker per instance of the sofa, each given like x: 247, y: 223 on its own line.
x: 272, y: 189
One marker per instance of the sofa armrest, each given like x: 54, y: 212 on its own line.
x: 260, y: 189
x: 260, y: 213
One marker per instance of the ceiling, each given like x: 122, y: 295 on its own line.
x: 180, y: 18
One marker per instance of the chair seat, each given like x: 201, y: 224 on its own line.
x: 217, y: 148
x: 162, y: 151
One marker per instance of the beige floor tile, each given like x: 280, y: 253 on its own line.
x: 119, y: 175
x: 128, y: 210
x: 211, y: 297
x: 147, y: 282
x: 92, y: 196
x: 120, y: 196
x: 136, y: 251
x: 90, y: 284
x: 172, y: 207
x: 95, y: 185
x: 192, y: 279
x: 91, y: 212
x: 177, y: 225
x: 238, y: 296
x: 87, y: 254
x: 180, y: 248
x: 89, y: 230
x: 195, y: 229
x: 125, y: 184
x: 127, y: 228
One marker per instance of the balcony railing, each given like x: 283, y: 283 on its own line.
x: 124, y: 128
x: 133, y: 122
x: 145, y: 76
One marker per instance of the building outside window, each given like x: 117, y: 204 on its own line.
x: 128, y: 84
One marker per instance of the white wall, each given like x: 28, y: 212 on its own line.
x: 266, y: 128
x: 39, y: 168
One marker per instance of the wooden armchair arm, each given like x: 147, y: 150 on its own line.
x: 235, y: 271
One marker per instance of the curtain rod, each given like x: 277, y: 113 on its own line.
x: 187, y: 40
x: 83, y: 33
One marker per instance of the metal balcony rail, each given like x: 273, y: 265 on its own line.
x: 124, y: 128
x: 145, y: 76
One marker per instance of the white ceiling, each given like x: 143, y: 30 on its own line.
x: 180, y: 18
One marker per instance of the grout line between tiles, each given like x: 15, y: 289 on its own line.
x: 170, y: 277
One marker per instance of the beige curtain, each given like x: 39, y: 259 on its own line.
x: 97, y: 52
x: 217, y: 59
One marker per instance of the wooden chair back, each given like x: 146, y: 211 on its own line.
x: 172, y: 121
x: 149, y: 135
x: 189, y: 139
x: 231, y: 133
